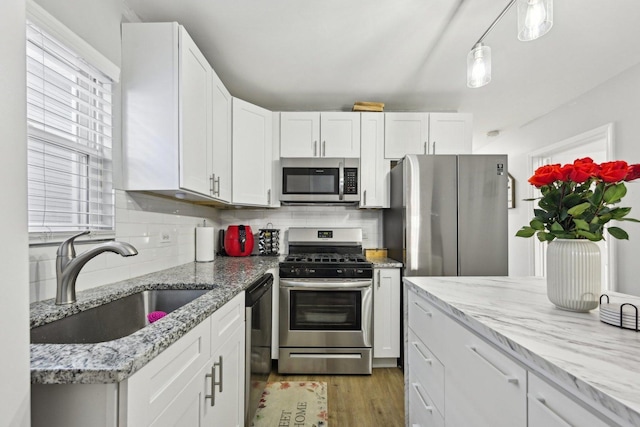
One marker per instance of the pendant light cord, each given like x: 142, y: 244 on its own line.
x: 493, y: 24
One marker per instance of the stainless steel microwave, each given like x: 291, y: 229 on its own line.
x: 320, y: 181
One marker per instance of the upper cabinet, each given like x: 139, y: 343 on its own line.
x: 450, y: 133
x: 427, y: 133
x: 176, y: 122
x: 221, y: 117
x: 252, y: 154
x: 374, y: 168
x: 313, y: 134
x: 166, y: 85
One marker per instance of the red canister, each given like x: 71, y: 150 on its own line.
x: 238, y: 240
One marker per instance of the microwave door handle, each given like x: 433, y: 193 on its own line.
x: 341, y: 181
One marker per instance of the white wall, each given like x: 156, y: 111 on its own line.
x: 14, y: 336
x: 616, y: 101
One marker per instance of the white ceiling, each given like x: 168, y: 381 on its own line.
x: 289, y: 55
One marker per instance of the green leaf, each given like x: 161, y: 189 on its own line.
x: 526, y: 232
x: 536, y: 224
x: 629, y: 219
x: 618, y: 233
x: 571, y: 200
x: 618, y: 213
x: 545, y: 237
x: 614, y: 193
x: 556, y: 227
x: 591, y: 236
x: 579, y: 209
x: 581, y: 224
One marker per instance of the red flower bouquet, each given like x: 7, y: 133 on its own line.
x: 576, y: 200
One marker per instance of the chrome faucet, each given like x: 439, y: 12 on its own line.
x: 68, y: 265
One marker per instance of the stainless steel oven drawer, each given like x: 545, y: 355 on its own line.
x: 324, y: 361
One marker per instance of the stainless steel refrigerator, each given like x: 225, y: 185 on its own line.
x: 448, y: 215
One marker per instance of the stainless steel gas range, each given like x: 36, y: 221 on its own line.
x: 325, y: 303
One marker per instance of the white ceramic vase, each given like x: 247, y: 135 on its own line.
x: 573, y: 274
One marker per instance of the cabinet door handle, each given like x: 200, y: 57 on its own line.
x: 426, y: 147
x: 212, y: 394
x: 509, y: 378
x: 324, y: 148
x: 378, y: 279
x: 424, y: 356
x: 540, y: 401
x: 364, y: 197
x: 219, y: 383
x: 212, y: 179
x: 315, y: 148
x: 427, y: 407
x: 427, y: 312
x: 434, y: 148
x: 269, y: 197
x: 217, y: 187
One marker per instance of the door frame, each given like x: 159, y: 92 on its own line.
x: 538, y: 157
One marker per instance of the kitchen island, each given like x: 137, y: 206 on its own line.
x: 592, y: 363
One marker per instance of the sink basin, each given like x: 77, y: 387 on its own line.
x: 113, y: 320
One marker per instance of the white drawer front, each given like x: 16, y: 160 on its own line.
x: 549, y: 407
x: 428, y: 324
x: 422, y: 412
x: 426, y: 370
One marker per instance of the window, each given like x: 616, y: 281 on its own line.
x: 70, y: 137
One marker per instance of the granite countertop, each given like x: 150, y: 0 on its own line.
x: 589, y: 358
x: 385, y: 263
x: 114, y: 361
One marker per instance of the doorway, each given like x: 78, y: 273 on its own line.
x: 597, y: 144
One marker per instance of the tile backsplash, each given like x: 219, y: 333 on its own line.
x: 163, y: 232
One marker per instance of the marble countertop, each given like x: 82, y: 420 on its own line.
x: 591, y: 359
x: 114, y: 361
x: 385, y: 263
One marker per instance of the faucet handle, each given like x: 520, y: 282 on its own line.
x: 66, y: 248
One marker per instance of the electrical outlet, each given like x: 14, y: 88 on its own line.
x: 165, y: 236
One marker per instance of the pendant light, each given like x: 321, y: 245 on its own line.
x: 479, y: 65
x: 535, y: 19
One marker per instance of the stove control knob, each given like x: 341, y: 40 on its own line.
x: 339, y: 271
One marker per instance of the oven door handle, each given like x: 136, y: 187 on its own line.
x: 355, y: 284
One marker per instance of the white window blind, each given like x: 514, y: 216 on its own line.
x: 69, y: 141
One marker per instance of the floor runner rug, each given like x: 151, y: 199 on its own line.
x: 293, y: 404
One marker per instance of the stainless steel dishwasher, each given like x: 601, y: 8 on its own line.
x: 258, y: 342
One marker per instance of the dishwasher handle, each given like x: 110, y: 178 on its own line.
x: 257, y: 289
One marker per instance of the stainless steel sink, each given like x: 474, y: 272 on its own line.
x: 113, y: 320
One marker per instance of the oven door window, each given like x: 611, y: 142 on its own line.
x: 325, y: 310
x: 310, y: 180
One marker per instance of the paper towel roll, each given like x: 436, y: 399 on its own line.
x: 204, y: 244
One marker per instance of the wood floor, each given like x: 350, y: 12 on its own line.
x: 361, y: 400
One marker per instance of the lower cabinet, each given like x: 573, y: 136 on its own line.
x: 197, y: 381
x: 456, y: 378
x: 386, y: 315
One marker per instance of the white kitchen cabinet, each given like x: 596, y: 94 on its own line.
x: 548, y: 407
x: 483, y: 386
x: 386, y: 313
x: 198, y: 380
x: 427, y: 133
x: 450, y: 133
x: 252, y: 154
x: 457, y: 378
x: 167, y: 111
x: 374, y: 168
x: 405, y: 133
x: 221, y: 140
x: 315, y: 134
